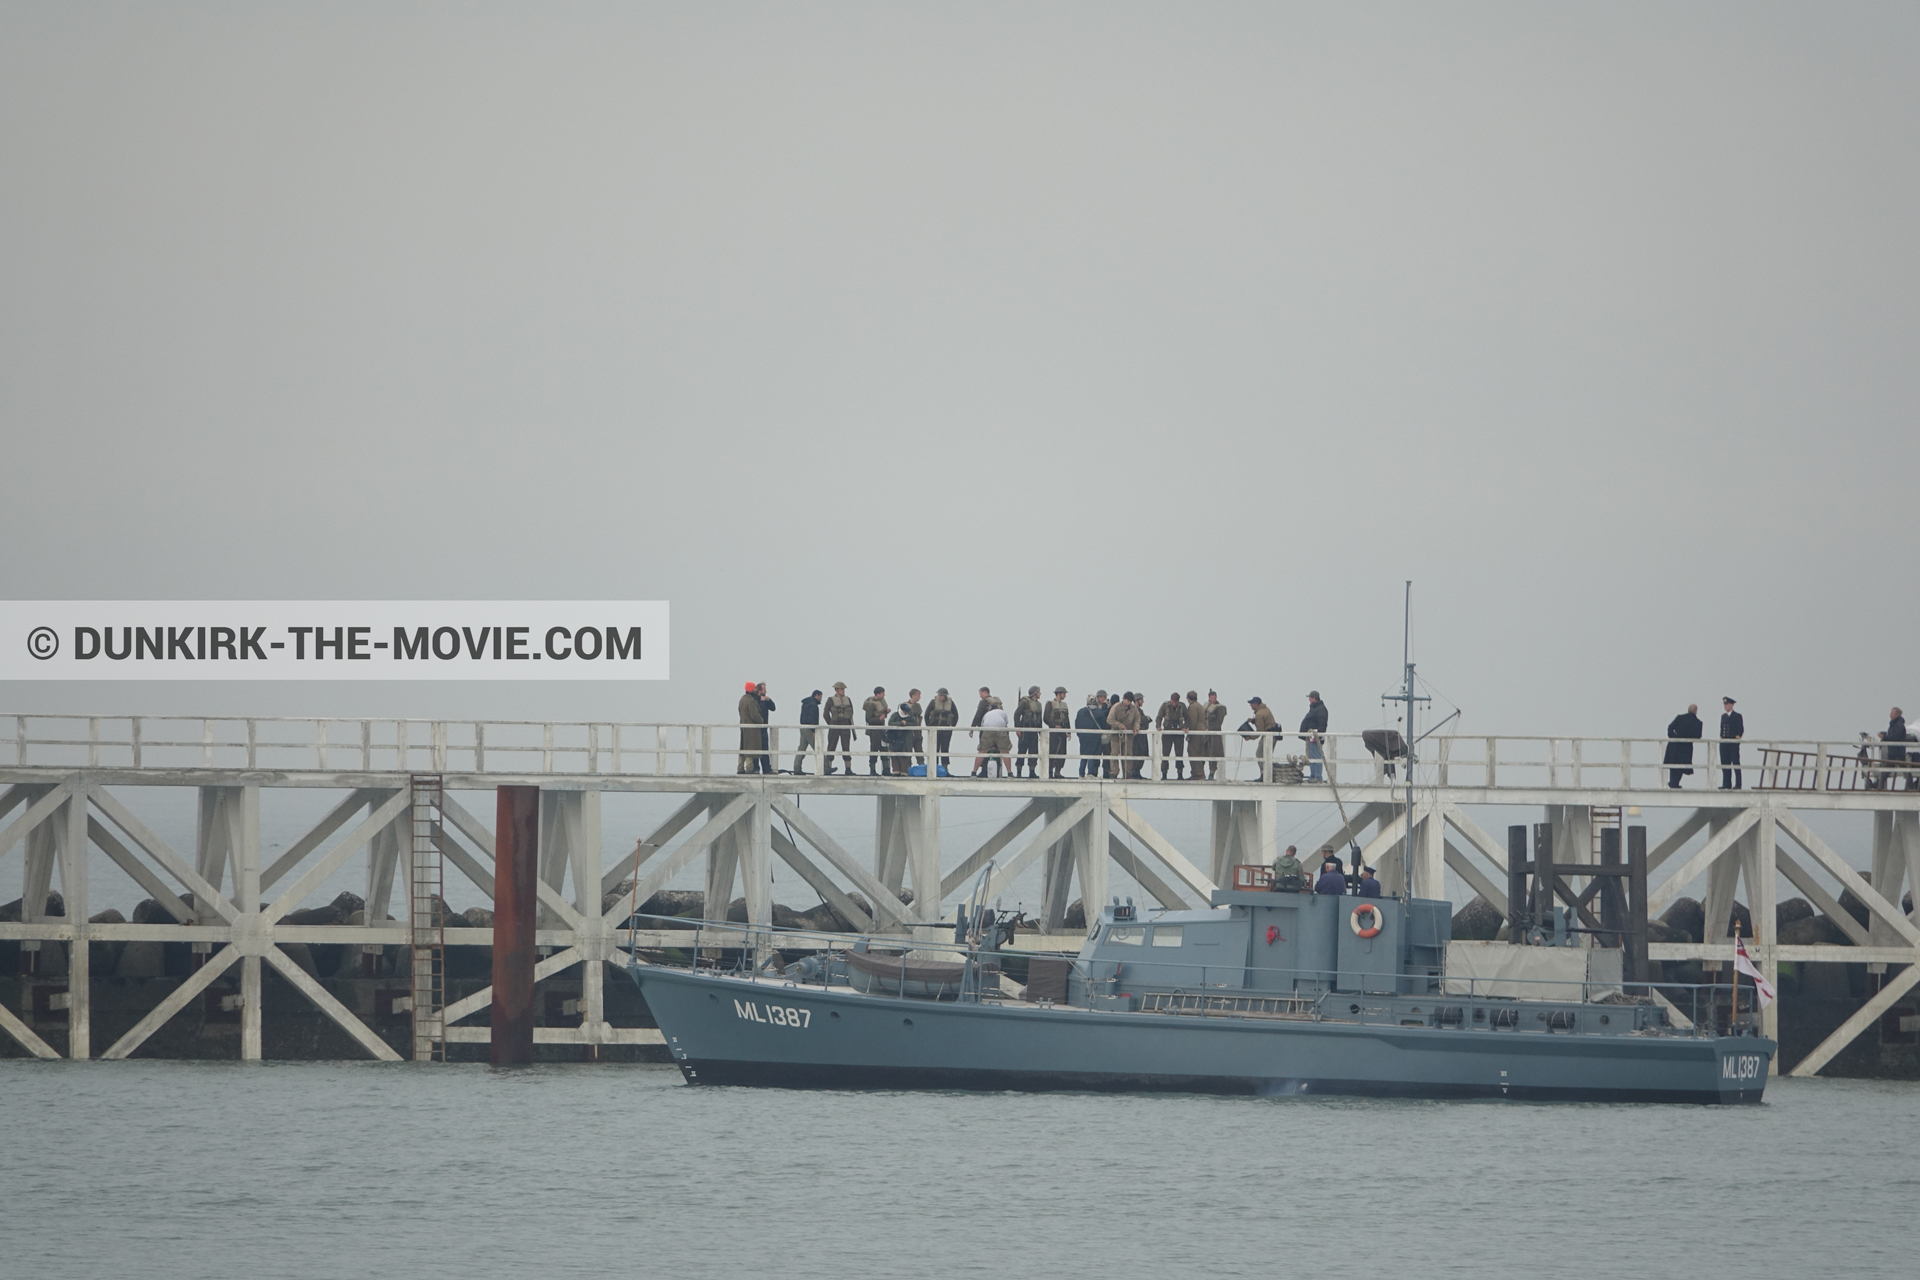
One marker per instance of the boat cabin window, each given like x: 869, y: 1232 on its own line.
x: 1126, y: 936
x: 1167, y: 935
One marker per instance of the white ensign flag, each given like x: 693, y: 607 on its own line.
x: 1743, y: 963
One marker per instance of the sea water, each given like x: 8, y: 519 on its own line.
x: 163, y: 1169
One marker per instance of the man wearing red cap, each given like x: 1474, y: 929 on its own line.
x: 753, y: 742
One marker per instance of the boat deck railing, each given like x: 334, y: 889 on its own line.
x: 745, y: 951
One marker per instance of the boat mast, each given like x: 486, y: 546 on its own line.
x: 1407, y: 696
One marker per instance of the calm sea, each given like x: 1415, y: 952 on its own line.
x: 161, y: 1169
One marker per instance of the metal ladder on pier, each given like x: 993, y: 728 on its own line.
x: 1605, y: 818
x: 426, y: 880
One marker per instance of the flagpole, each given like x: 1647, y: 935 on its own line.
x: 1733, y: 1013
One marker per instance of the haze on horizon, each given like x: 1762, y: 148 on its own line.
x: 1122, y: 345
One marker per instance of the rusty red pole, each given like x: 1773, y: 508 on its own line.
x: 516, y: 862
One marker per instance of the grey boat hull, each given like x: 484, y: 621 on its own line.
x: 731, y: 1030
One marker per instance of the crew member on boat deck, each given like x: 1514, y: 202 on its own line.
x: 876, y: 709
x: 1339, y: 864
x: 809, y: 727
x: 1732, y: 729
x: 1679, y: 757
x: 1288, y: 875
x: 839, y: 715
x: 1369, y: 887
x: 1330, y: 881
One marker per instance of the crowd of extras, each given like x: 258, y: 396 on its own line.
x: 1112, y: 733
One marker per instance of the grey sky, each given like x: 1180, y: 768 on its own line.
x: 1120, y: 345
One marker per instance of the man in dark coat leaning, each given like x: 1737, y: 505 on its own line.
x: 1680, y: 754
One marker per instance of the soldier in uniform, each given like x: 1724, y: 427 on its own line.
x: 942, y: 715
x: 1171, y: 721
x: 1027, y: 716
x: 1216, y: 721
x: 912, y: 713
x: 875, y: 709
x: 752, y: 741
x: 979, y: 714
x: 1140, y: 745
x: 1196, y: 737
x: 1058, y: 718
x: 837, y: 711
x: 1122, y: 721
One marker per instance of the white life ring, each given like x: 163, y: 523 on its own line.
x: 1379, y: 920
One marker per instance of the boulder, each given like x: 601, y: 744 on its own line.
x: 1813, y: 931
x: 1792, y: 909
x: 477, y: 918
x: 300, y: 955
x: 676, y: 902
x: 1688, y: 917
x: 56, y: 906
x: 142, y: 960
x: 1744, y: 916
x: 1852, y: 905
x: 1076, y: 917
x: 1661, y: 931
x: 1478, y: 921
x: 109, y: 916
x: 340, y: 911
x: 151, y: 912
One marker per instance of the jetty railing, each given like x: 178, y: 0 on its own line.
x: 334, y: 745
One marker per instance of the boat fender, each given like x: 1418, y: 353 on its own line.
x: 1368, y: 931
x: 1273, y: 935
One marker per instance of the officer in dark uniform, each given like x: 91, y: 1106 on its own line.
x: 837, y: 711
x: 942, y: 715
x: 875, y: 709
x: 1735, y: 728
x: 1059, y: 717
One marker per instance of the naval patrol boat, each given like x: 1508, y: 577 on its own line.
x: 1262, y: 993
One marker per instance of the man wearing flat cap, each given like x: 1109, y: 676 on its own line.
x: 1268, y: 730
